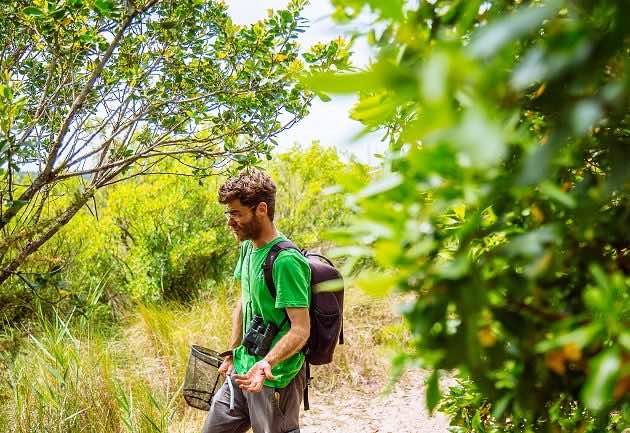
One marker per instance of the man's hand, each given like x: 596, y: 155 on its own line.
x: 255, y: 377
x: 227, y: 366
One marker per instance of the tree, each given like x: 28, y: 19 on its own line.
x: 308, y: 202
x: 505, y: 203
x: 104, y: 90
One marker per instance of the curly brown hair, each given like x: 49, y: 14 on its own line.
x: 251, y: 186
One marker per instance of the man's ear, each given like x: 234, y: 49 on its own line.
x: 261, y: 209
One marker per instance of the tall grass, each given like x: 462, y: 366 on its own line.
x: 70, y: 378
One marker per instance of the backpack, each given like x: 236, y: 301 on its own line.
x: 326, y: 308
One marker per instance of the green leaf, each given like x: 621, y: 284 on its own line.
x: 598, y: 390
x: 554, y: 193
x: 539, y: 65
x: 381, y: 185
x: 477, y: 424
x: 388, y: 8
x: 32, y: 11
x: 58, y: 14
x: 479, y: 139
x: 322, y: 96
x: 328, y: 286
x: 18, y: 203
x: 624, y: 340
x: 533, y: 243
x: 454, y: 269
x: 373, y: 109
x: 105, y: 6
x: 433, y: 391
x: 340, y: 83
x: 580, y: 337
x: 435, y: 78
x: 487, y: 41
x: 501, y: 405
x: 375, y: 283
x: 600, y: 277
x: 7, y: 92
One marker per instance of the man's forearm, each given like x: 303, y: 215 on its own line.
x: 288, y: 345
x: 237, y: 326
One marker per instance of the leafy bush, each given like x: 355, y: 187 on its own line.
x: 96, y: 92
x: 165, y: 237
x: 308, y: 199
x: 505, y: 202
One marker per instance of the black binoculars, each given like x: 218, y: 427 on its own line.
x: 258, y: 338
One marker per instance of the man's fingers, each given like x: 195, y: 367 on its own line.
x: 267, y: 372
x: 226, y: 367
x: 242, y: 381
x: 245, y: 382
x: 257, y: 387
x: 254, y: 379
x: 251, y: 384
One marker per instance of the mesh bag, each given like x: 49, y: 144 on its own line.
x: 202, y: 377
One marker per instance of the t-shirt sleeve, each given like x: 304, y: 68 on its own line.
x: 292, y: 278
x: 239, y: 263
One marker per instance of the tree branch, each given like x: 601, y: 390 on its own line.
x: 33, y: 246
x: 45, y: 176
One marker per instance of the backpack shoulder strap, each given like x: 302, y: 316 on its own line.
x: 269, y: 261
x: 307, y: 405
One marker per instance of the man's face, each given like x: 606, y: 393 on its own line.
x: 243, y: 220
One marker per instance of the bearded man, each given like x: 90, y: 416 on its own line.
x: 267, y: 382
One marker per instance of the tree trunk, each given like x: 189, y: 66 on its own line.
x: 34, y: 245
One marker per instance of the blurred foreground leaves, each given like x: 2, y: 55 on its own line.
x: 505, y: 203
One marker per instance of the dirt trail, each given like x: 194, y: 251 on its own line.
x: 402, y: 411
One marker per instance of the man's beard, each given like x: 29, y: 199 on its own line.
x: 251, y: 230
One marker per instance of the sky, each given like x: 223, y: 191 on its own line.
x: 327, y: 122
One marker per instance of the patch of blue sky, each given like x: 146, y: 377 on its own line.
x: 328, y: 122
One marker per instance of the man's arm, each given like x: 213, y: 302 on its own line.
x: 235, y: 340
x: 293, y: 340
x: 289, y: 344
x: 237, y: 325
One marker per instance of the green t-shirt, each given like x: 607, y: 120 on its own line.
x: 291, y: 276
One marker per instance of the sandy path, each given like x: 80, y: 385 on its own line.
x: 361, y: 411
x: 402, y: 411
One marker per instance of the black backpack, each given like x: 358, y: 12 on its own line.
x: 326, y: 309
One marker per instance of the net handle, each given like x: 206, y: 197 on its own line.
x: 208, y: 356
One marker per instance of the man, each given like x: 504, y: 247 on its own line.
x: 267, y: 390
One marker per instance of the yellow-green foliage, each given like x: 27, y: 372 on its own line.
x: 308, y: 202
x: 165, y: 237
x: 155, y: 237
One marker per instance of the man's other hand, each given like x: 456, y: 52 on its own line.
x: 227, y: 366
x: 255, y: 377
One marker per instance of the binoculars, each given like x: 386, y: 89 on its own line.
x: 258, y: 338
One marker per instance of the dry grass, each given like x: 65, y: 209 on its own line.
x: 68, y: 379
